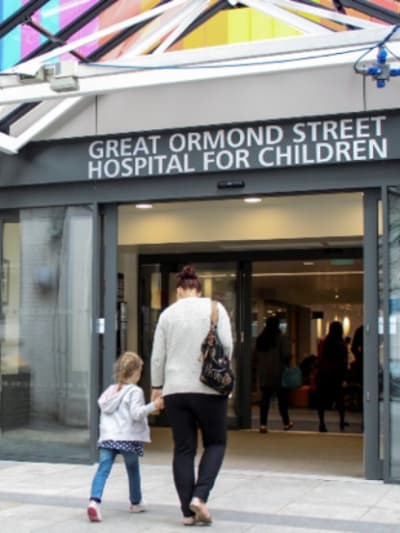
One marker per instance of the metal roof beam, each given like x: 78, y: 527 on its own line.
x: 372, y: 10
x: 204, y: 17
x: 74, y: 26
x: 15, y: 114
x: 54, y: 41
x: 166, y: 23
x: 20, y: 16
x: 33, y: 65
x: 292, y: 19
x: 338, y: 6
x: 120, y: 37
x: 191, y: 14
x: 106, y: 82
x: 51, y: 38
x: 327, y: 14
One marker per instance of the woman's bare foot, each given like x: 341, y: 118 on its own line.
x: 201, y: 511
x: 189, y: 520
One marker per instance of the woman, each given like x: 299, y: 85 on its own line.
x: 331, y: 374
x: 273, y: 354
x: 189, y: 404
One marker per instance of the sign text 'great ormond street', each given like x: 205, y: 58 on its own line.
x: 221, y: 149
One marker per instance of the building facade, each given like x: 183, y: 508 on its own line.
x: 321, y: 137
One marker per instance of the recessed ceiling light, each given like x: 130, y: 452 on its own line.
x: 143, y: 206
x: 252, y: 200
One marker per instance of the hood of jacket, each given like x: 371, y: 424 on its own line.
x: 112, y: 398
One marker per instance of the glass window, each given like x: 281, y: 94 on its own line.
x: 46, y: 316
x: 394, y: 331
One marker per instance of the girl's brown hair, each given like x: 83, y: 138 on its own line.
x: 125, y: 366
x: 188, y: 279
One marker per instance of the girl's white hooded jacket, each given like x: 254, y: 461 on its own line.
x: 124, y: 414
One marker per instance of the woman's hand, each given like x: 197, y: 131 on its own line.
x: 156, y: 393
x: 159, y: 403
x: 156, y: 397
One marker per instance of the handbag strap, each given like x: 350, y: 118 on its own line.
x: 214, y: 313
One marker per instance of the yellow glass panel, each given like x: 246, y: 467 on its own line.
x: 284, y: 30
x: 313, y: 18
x: 195, y: 39
x: 239, y: 25
x: 216, y: 29
x: 147, y: 4
x: 261, y: 26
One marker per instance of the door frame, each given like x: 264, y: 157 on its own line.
x: 243, y: 345
x: 373, y: 466
x: 105, y: 280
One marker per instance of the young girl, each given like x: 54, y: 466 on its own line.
x: 123, y: 429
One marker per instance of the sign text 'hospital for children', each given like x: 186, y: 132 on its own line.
x: 247, y: 147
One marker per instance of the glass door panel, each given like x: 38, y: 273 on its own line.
x: 45, y: 344
x: 392, y: 330
x: 372, y: 336
x: 150, y: 309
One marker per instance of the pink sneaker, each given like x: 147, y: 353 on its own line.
x: 93, y: 511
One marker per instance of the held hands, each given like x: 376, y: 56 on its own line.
x: 156, y: 397
x: 159, y: 403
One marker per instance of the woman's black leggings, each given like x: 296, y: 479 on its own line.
x: 188, y: 412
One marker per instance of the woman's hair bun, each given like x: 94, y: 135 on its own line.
x: 188, y: 279
x: 188, y: 272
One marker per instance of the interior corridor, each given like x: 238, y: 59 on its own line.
x: 293, y: 452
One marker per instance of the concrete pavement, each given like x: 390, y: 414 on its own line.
x: 52, y: 498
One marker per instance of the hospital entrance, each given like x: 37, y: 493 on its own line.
x: 299, y: 258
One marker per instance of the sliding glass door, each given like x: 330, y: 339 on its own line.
x: 391, y: 374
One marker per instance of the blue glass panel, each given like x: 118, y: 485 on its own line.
x: 10, y: 44
x: 50, y: 17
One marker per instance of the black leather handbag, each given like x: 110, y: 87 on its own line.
x: 216, y: 370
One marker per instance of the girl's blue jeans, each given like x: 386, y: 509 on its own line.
x: 106, y: 461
